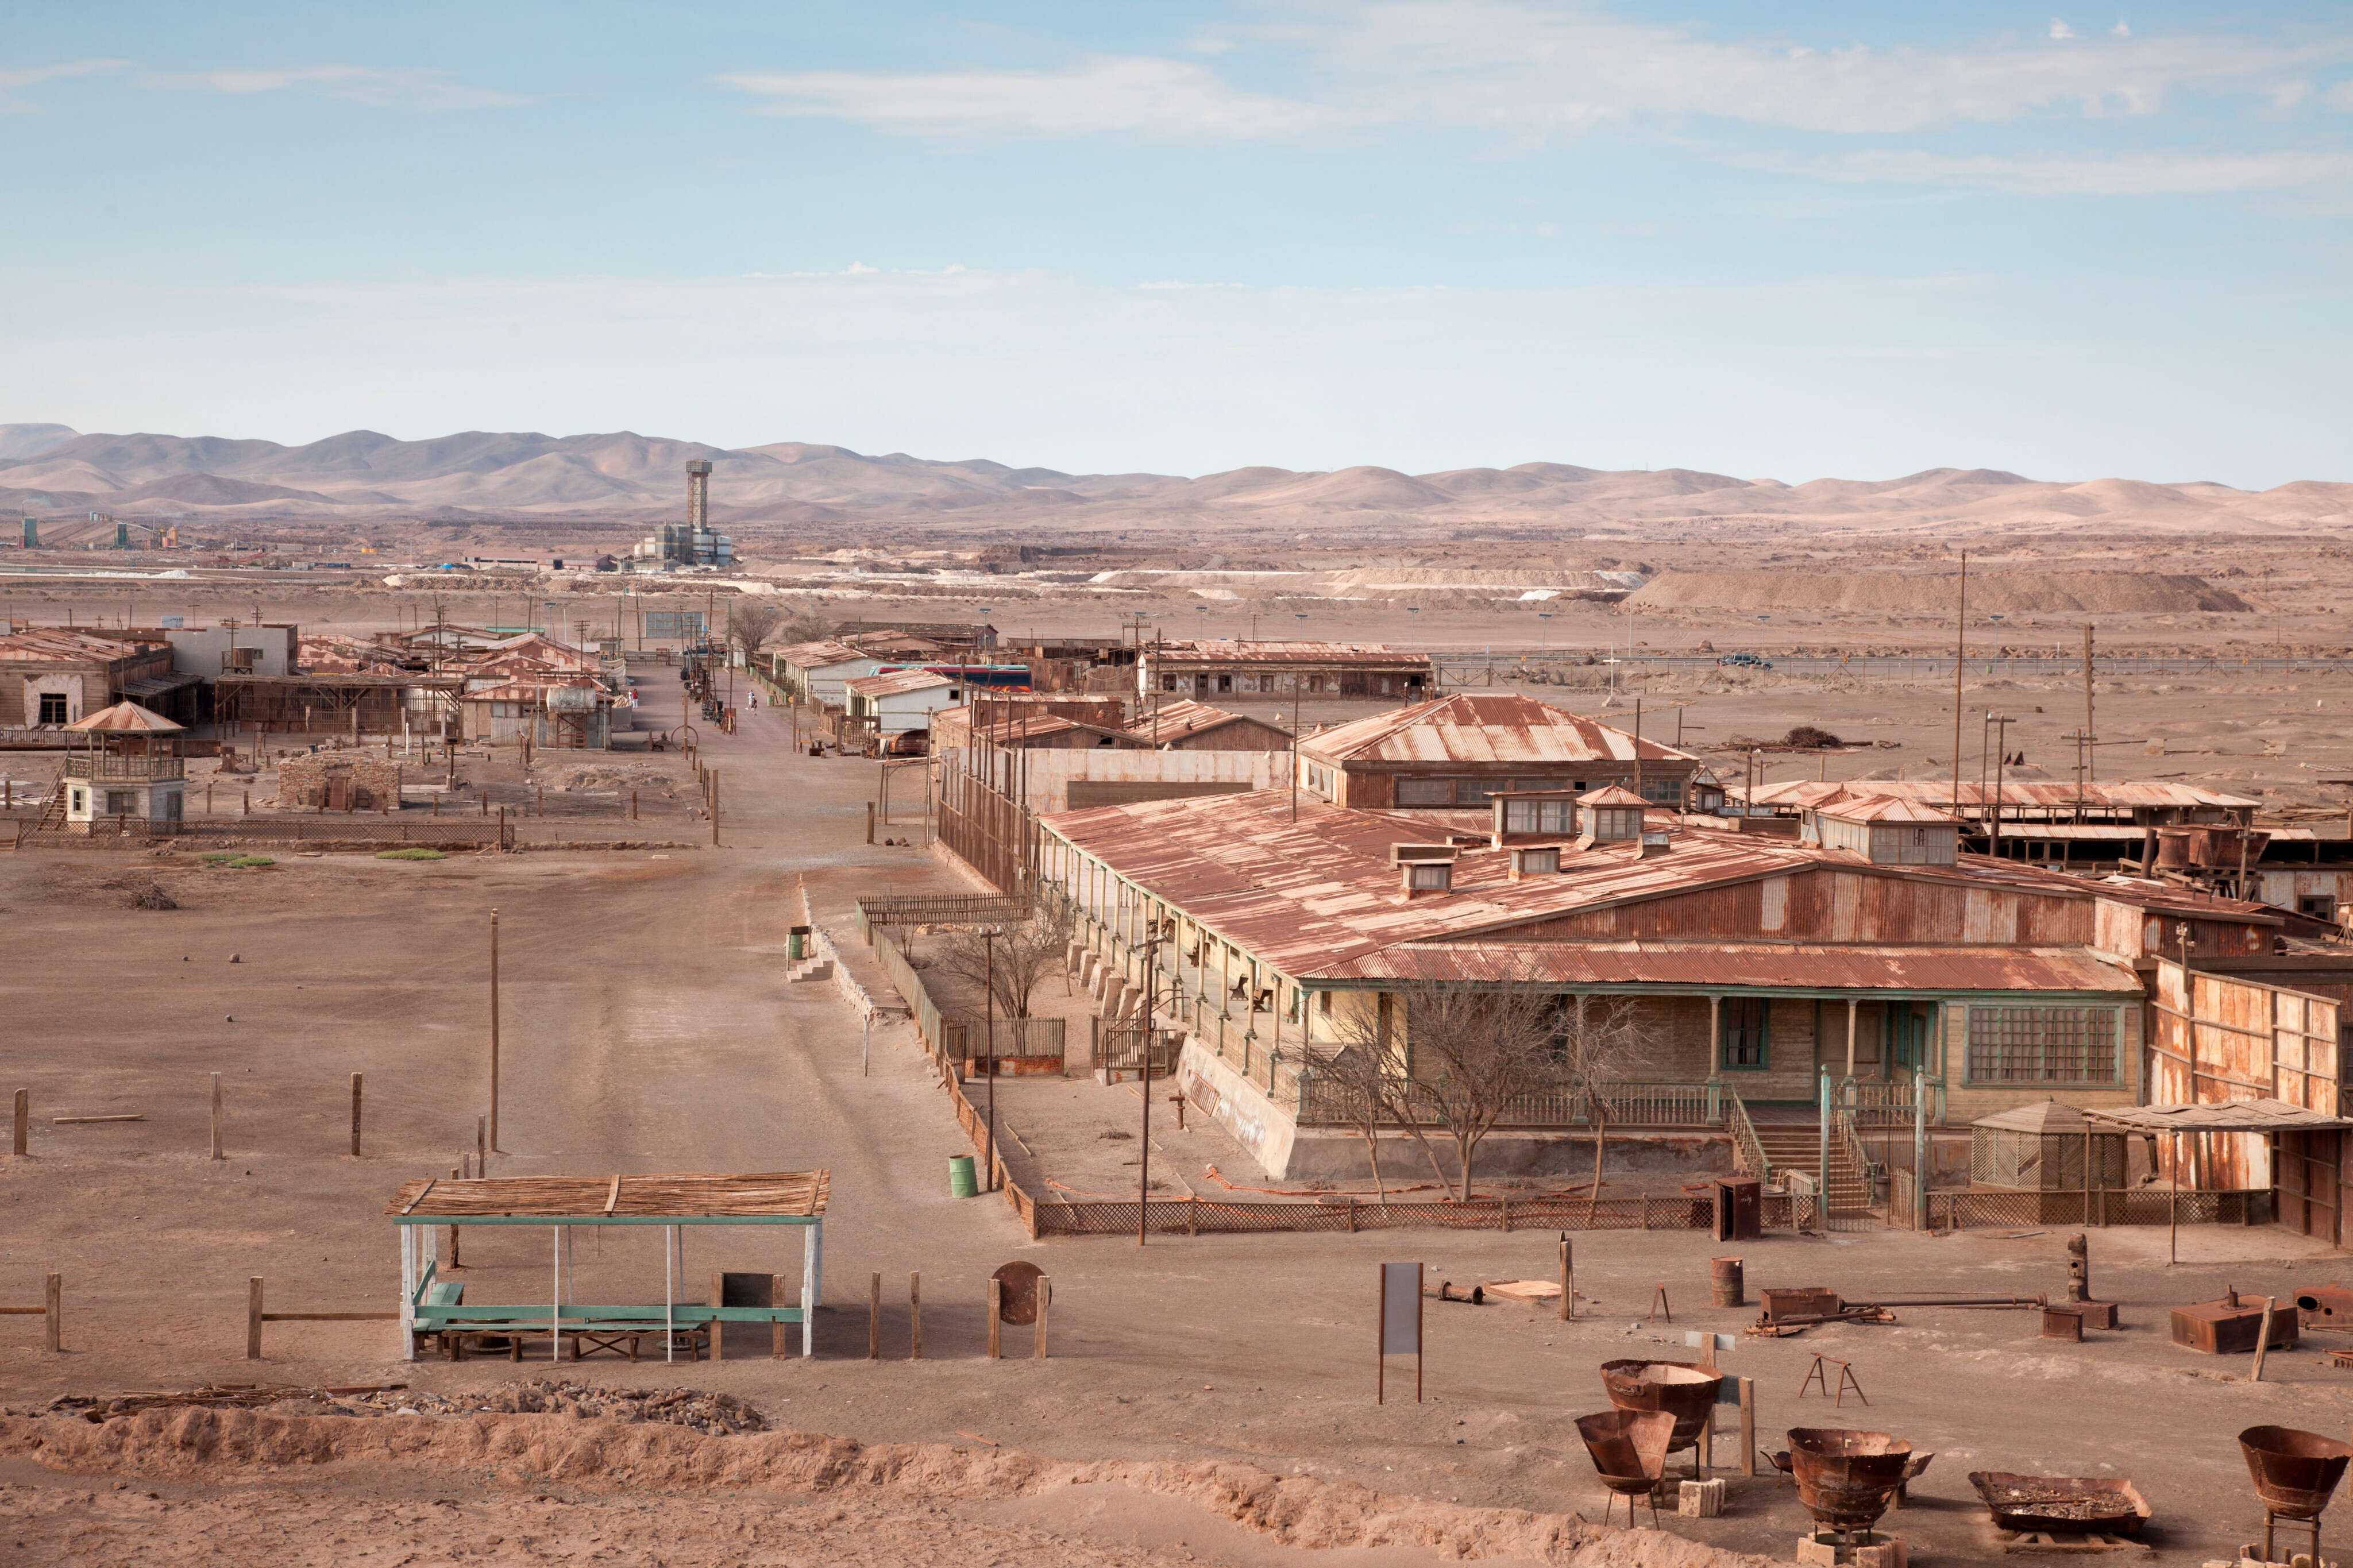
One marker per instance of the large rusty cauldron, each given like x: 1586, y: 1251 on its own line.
x: 1846, y: 1479
x: 2295, y: 1472
x: 1679, y: 1388
x: 1628, y: 1449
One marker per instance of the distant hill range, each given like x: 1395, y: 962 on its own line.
x: 49, y: 469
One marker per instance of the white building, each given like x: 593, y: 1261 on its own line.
x: 902, y: 701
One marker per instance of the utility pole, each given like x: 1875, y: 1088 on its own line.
x: 2088, y: 727
x: 1144, y: 1146
x: 988, y: 996
x: 1961, y: 657
x: 1999, y: 725
x: 494, y: 1033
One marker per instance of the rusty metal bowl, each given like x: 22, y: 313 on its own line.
x: 2296, y: 1473
x: 1846, y: 1479
x: 1682, y: 1389
x: 1629, y: 1447
x: 2066, y: 1503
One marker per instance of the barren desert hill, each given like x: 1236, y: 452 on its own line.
x: 1993, y: 593
x: 622, y: 476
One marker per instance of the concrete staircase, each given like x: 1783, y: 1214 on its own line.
x: 811, y: 969
x: 1797, y: 1145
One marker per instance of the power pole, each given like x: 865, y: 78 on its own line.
x: 2088, y: 727
x: 1960, y: 658
x: 494, y: 1033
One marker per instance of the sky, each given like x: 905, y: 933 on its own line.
x: 1805, y: 240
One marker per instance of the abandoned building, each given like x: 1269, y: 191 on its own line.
x: 560, y: 713
x: 51, y: 676
x: 1914, y: 977
x: 124, y: 764
x: 1456, y: 752
x: 1191, y: 726
x: 901, y: 703
x: 1224, y: 669
x: 819, y: 671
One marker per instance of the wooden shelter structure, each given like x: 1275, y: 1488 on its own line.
x: 2044, y: 1147
x: 431, y: 1306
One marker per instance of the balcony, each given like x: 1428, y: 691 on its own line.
x: 110, y: 766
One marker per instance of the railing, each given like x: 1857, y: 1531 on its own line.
x: 1624, y: 1104
x: 941, y: 910
x: 1877, y: 1104
x: 1121, y: 1049
x: 109, y: 765
x: 1857, y: 1155
x: 1034, y: 1040
x: 1747, y: 1149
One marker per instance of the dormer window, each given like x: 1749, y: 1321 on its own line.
x: 1431, y: 877
x: 1611, y: 815
x: 1543, y: 861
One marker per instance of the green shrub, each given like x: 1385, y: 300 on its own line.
x: 250, y: 862
x: 416, y: 852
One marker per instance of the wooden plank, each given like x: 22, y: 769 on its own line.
x: 613, y: 1195
x: 84, y: 1120
x: 429, y: 1183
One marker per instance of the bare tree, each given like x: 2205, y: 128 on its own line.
x: 1013, y: 966
x: 752, y: 624
x: 1446, y: 1059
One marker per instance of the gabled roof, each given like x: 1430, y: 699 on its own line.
x: 59, y: 645
x: 895, y: 682
x: 1881, y: 809
x: 1228, y: 650
x: 1502, y: 728
x: 1613, y: 794
x: 2014, y: 793
x: 822, y: 654
x: 125, y: 719
x: 1317, y: 894
x: 1179, y: 721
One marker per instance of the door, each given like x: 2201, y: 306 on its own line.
x: 339, y: 794
x: 2305, y: 1172
x: 1907, y: 1039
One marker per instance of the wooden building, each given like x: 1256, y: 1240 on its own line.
x: 1223, y: 669
x: 51, y: 676
x: 1190, y: 726
x: 1460, y: 750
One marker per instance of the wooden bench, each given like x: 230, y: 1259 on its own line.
x: 590, y: 1327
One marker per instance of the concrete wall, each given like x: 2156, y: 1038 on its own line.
x: 199, y: 650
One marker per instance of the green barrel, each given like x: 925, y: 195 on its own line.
x: 961, y: 1183
x: 796, y: 943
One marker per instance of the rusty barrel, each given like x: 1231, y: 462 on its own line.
x: 1725, y: 1285
x: 1682, y: 1389
x: 1846, y: 1479
x: 2296, y: 1473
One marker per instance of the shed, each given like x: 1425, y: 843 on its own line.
x: 2041, y: 1148
x: 901, y: 701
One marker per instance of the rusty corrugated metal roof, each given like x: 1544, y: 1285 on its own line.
x: 2014, y: 793
x: 1320, y: 892
x: 1481, y: 728
x: 1733, y: 966
x: 823, y: 654
x: 1885, y: 808
x: 897, y: 681
x: 56, y: 643
x: 1177, y: 720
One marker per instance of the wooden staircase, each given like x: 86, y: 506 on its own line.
x: 1797, y: 1145
x: 53, y: 810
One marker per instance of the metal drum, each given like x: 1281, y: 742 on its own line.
x: 1725, y: 1284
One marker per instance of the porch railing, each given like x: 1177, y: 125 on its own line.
x: 1747, y: 1149
x: 1876, y: 1104
x: 1635, y: 1103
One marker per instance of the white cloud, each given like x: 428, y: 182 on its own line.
x: 1526, y: 73
x: 32, y: 76
x: 2060, y: 29
x: 2121, y: 30
x: 2123, y: 173
x: 1160, y: 99
x: 376, y: 87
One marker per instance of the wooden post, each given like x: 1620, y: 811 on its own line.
x: 1747, y: 1426
x: 633, y: 805
x: 1568, y: 1279
x: 718, y: 1328
x: 870, y: 822
x: 216, y: 1116
x: 493, y: 1134
x: 915, y: 1317
x: 355, y: 1116
x: 253, y: 1318
x: 54, y: 1303
x: 1045, y: 1296
x: 2263, y: 1338
x: 481, y: 1146
x: 874, y: 1318
x: 776, y: 1351
x: 995, y: 1317
x: 714, y: 808
x: 17, y: 1144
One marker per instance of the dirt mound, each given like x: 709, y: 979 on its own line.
x: 608, y: 778
x: 538, y: 1451
x: 1993, y: 593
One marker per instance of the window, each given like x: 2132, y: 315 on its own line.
x: 1663, y: 792
x: 1425, y: 792
x: 1741, y: 1034
x: 2320, y: 907
x: 1539, y: 816
x: 1431, y: 879
x: 81, y: 800
x: 1225, y: 683
x: 1266, y: 683
x: 121, y: 803
x: 53, y: 708
x: 1167, y: 683
x: 1477, y: 791
x: 2042, y: 1045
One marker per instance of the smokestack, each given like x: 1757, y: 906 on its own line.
x: 32, y: 533
x: 698, y: 494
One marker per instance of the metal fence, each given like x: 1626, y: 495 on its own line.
x: 1629, y: 1104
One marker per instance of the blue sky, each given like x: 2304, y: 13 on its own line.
x: 1859, y: 240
